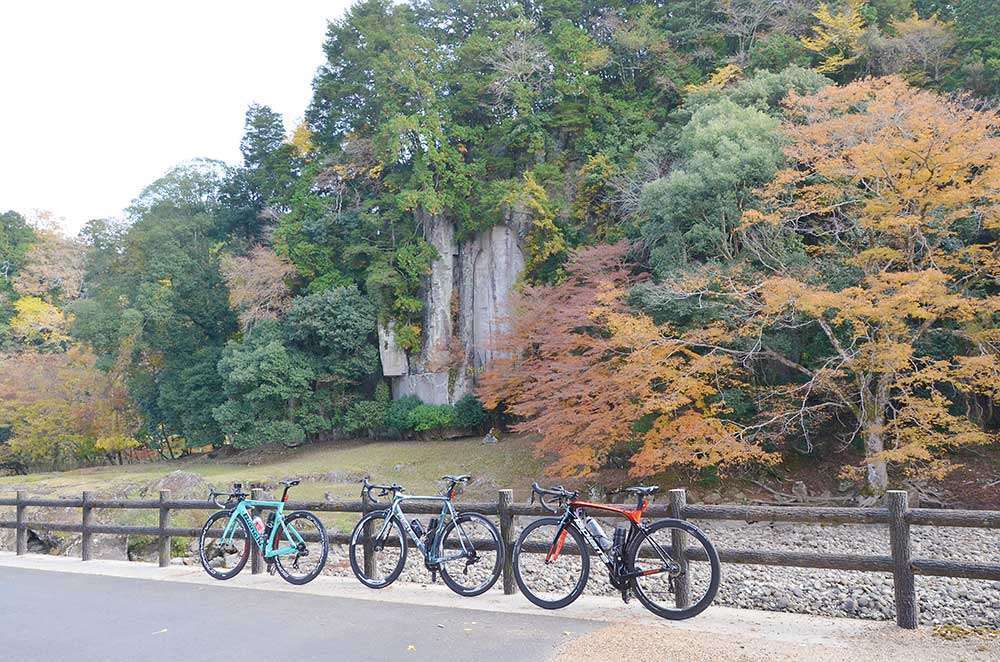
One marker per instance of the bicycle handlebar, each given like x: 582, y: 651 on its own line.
x: 559, y: 493
x: 237, y: 493
x: 384, y: 490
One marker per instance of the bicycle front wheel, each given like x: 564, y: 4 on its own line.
x: 471, y: 555
x: 383, y: 539
x: 306, y: 534
x: 551, y: 564
x: 678, y: 569
x: 223, y: 556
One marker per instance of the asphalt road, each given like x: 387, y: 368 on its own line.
x: 63, y: 616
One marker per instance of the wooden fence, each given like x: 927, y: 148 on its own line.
x: 895, y: 515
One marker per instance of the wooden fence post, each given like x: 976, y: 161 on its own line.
x: 21, y: 546
x: 505, y: 499
x: 164, y: 524
x: 904, y: 591
x: 678, y: 543
x: 87, y: 539
x: 369, y: 551
x: 256, y: 558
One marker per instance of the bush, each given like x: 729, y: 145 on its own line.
x: 425, y: 418
x: 369, y: 416
x: 366, y: 416
x: 469, y: 413
x: 397, y: 418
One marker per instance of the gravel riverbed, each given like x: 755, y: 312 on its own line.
x: 866, y: 595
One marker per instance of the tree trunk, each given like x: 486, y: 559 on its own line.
x: 876, y: 473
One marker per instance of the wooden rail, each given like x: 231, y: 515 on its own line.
x: 895, y: 516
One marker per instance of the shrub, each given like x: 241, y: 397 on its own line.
x: 397, y: 418
x: 369, y: 416
x: 366, y: 416
x: 469, y: 413
x: 425, y: 418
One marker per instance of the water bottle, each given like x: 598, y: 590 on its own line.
x: 418, y: 530
x: 258, y: 524
x: 603, y: 541
x: 620, y: 532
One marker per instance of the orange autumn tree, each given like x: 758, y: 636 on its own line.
x: 583, y: 370
x: 895, y: 191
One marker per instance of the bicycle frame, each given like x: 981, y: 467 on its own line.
x: 395, y: 513
x: 574, y: 515
x: 266, y: 547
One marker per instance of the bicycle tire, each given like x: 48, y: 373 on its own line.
x: 701, y: 605
x: 280, y: 561
x: 581, y: 583
x: 202, y: 556
x: 498, y: 565
x: 357, y: 545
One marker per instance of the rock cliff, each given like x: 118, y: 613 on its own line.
x: 466, y: 303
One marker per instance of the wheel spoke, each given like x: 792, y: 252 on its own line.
x: 677, y: 572
x: 550, y: 567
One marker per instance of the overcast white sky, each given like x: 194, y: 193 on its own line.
x: 100, y: 97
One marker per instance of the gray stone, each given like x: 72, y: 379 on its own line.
x: 430, y: 387
x: 497, y: 266
x: 440, y: 233
x: 394, y: 361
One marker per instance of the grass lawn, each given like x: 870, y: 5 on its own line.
x: 334, y: 468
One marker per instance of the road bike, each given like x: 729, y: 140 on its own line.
x: 670, y: 565
x: 294, y: 545
x: 464, y: 547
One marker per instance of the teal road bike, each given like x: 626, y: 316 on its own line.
x: 294, y: 545
x: 464, y: 547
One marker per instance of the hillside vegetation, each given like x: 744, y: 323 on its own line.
x: 756, y: 231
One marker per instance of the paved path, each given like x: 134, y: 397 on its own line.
x: 59, y: 608
x: 60, y: 616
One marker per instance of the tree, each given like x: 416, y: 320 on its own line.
x: 588, y: 375
x: 38, y: 323
x: 837, y: 37
x: 336, y: 327
x: 53, y: 269
x: 924, y: 47
x: 265, y: 383
x: 898, y: 185
x: 258, y: 285
x: 60, y: 408
x: 746, y: 20
x: 723, y: 153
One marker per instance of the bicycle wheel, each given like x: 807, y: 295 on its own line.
x: 471, y: 555
x: 674, y: 585
x: 387, y: 550
x: 306, y: 533
x: 224, y: 559
x: 550, y: 568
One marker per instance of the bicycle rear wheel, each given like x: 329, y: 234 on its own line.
x: 551, y: 568
x: 306, y: 533
x: 386, y: 547
x: 471, y: 554
x: 223, y: 559
x: 672, y: 584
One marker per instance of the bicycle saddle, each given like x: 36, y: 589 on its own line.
x: 643, y: 490
x: 290, y: 482
x: 457, y: 479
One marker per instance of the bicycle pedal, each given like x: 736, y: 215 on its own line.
x: 434, y: 576
x: 271, y: 569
